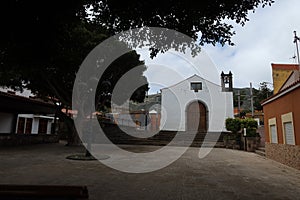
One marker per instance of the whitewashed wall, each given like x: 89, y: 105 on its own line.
x: 49, y: 126
x: 6, y: 122
x: 176, y: 98
x: 35, y: 126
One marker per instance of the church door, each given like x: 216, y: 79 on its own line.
x: 196, y: 117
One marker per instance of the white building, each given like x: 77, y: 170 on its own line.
x: 196, y: 104
x: 20, y: 114
x: 34, y: 124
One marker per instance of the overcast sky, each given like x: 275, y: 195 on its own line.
x: 267, y: 38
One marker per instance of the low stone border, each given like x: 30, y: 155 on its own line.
x: 87, y: 158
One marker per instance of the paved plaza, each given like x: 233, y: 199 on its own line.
x: 223, y: 174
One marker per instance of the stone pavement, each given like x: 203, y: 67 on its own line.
x: 223, y: 174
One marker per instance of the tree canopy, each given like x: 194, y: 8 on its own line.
x: 42, y: 51
x: 261, y: 94
x: 48, y: 40
x: 188, y: 17
x: 43, y: 43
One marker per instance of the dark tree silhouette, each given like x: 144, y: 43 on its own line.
x: 43, y: 43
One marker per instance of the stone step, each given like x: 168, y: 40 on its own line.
x: 117, y: 136
x: 260, y: 151
x: 163, y: 143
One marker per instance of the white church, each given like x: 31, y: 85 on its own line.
x: 196, y: 104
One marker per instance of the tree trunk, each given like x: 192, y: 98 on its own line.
x: 73, y: 138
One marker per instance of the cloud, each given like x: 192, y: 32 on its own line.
x: 172, y: 67
x: 267, y: 38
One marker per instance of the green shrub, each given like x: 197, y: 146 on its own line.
x: 233, y: 125
x: 250, y: 125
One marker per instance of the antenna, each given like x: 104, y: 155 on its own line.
x: 294, y: 58
x: 296, y: 39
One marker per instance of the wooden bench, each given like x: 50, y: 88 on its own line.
x: 43, y: 192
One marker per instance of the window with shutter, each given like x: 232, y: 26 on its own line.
x: 289, y: 133
x: 273, y: 134
x: 288, y: 128
x: 273, y: 130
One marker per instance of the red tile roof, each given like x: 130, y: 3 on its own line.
x: 285, y: 66
x: 20, y: 104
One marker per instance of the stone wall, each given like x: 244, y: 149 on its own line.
x: 25, y: 139
x: 261, y: 131
x: 285, y: 154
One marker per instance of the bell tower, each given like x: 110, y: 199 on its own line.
x: 226, y: 82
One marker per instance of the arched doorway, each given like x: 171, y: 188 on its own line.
x: 196, y: 117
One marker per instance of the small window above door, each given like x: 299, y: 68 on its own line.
x: 196, y: 86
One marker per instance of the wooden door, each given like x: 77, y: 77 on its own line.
x: 196, y: 117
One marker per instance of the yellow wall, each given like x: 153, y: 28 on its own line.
x: 279, y: 78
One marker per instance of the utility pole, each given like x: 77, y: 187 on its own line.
x: 239, y: 103
x: 251, y: 99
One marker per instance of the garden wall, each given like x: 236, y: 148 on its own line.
x: 285, y: 154
x: 25, y: 139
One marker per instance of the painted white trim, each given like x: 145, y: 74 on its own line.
x: 35, y: 122
x: 188, y: 79
x: 25, y: 115
x: 43, y: 116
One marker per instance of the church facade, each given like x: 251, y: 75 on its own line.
x: 196, y: 104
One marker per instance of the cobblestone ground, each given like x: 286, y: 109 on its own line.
x: 223, y: 174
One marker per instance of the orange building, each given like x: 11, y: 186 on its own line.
x: 282, y: 117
